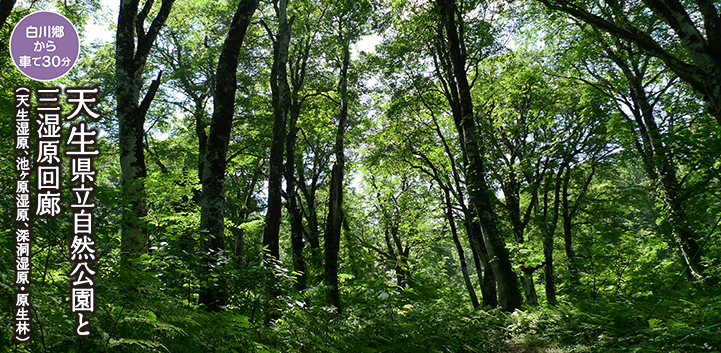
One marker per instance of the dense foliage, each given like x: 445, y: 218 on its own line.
x: 528, y: 176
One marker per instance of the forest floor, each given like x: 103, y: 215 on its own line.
x: 515, y: 346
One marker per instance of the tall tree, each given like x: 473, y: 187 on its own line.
x: 405, y: 77
x: 191, y: 63
x: 281, y: 105
x: 655, y: 154
x: 212, y: 199
x: 129, y: 67
x: 298, y: 72
x: 335, y: 200
x: 515, y: 104
x: 347, y: 21
x: 448, y: 187
x: 479, y: 192
x: 637, y: 83
x: 444, y: 73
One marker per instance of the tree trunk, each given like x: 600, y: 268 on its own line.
x: 311, y: 215
x: 568, y: 213
x: 666, y: 171
x: 662, y: 167
x: 513, y: 204
x: 281, y: 104
x: 296, y: 219
x: 398, y: 254
x: 568, y: 241
x: 186, y: 240
x: 548, y: 269
x: 6, y: 7
x: 548, y: 230
x: 332, y: 238
x: 335, y: 202
x: 459, y: 249
x: 297, y: 76
x: 486, y: 277
x: 212, y: 200
x: 129, y: 66
x: 310, y: 210
x: 508, y: 292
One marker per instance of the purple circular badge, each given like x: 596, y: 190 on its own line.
x: 44, y: 45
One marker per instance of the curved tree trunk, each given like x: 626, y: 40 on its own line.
x: 702, y: 69
x: 660, y: 167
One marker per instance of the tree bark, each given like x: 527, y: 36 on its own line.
x: 309, y: 209
x: 512, y: 189
x: 297, y: 77
x: 296, y: 238
x: 6, y: 7
x: 281, y: 104
x: 311, y: 214
x: 186, y: 240
x: 129, y: 66
x: 398, y: 251
x: 660, y: 165
x: 548, y: 230
x: 666, y: 172
x: 332, y: 238
x: 568, y: 213
x: 486, y: 278
x: 568, y: 235
x: 479, y: 193
x: 459, y: 249
x: 483, y: 268
x: 335, y: 202
x: 296, y: 218
x: 212, y: 200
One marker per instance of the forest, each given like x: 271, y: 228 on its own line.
x: 380, y: 176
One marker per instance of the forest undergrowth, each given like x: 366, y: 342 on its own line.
x: 377, y: 318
